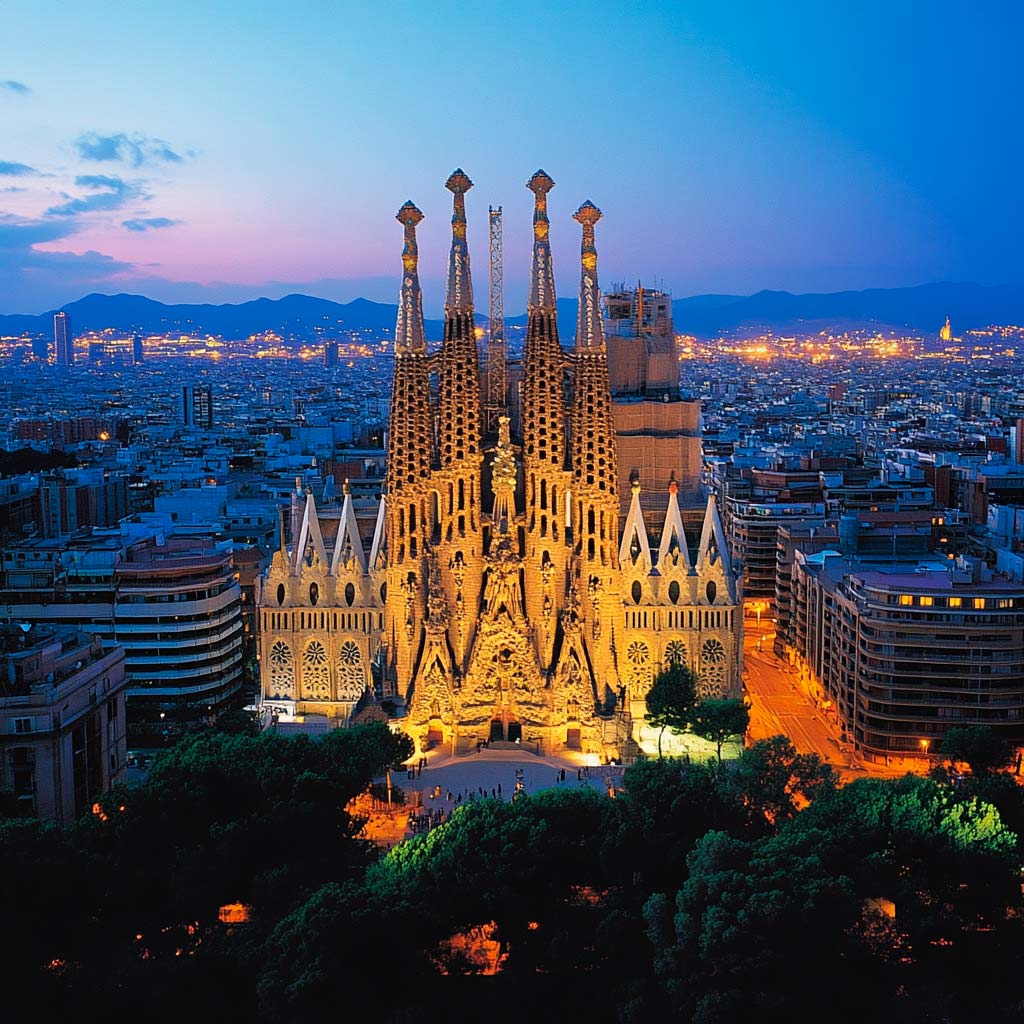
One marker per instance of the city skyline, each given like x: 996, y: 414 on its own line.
x: 212, y: 161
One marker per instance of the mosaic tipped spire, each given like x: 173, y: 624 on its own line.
x: 409, y: 331
x: 459, y: 297
x: 589, y: 330
x: 542, y: 278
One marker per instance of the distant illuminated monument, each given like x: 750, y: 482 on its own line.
x: 946, y: 331
x: 505, y: 595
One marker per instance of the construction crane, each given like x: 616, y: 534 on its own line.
x: 496, y: 387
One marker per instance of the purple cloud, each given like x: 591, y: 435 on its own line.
x: 148, y: 223
x: 110, y: 193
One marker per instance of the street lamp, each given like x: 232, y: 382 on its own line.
x: 924, y: 747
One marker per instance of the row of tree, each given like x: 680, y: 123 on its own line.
x: 701, y: 892
x: 672, y: 703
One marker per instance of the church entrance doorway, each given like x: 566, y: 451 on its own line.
x: 515, y: 732
x: 497, y: 730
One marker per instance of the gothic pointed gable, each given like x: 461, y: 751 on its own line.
x: 310, y: 547
x: 713, y: 549
x: 378, y: 545
x: 348, y: 545
x: 673, y: 547
x: 635, y: 549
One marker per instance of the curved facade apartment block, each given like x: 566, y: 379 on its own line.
x: 907, y: 655
x: 178, y: 617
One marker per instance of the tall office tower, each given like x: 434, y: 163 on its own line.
x: 63, y: 339
x: 197, y: 406
x: 330, y: 355
x: 138, y: 350
x: 500, y: 596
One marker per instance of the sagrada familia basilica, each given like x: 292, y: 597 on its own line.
x: 503, y: 595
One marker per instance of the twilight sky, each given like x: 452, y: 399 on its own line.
x: 192, y: 152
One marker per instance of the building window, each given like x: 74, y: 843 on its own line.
x: 979, y: 602
x: 22, y: 725
x: 956, y: 602
x: 926, y: 602
x: 906, y: 599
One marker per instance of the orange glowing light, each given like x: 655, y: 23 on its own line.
x: 234, y: 913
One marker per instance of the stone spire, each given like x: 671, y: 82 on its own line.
x: 542, y: 278
x: 544, y: 440
x: 593, y: 429
x: 409, y: 431
x: 460, y: 532
x: 543, y: 414
x: 409, y: 332
x: 459, y: 376
x: 589, y: 329
x: 459, y: 297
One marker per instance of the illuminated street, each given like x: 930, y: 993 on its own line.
x: 779, y: 705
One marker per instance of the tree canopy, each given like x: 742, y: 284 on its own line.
x: 701, y: 892
x: 671, y: 699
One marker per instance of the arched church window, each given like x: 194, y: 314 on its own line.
x: 351, y: 676
x: 282, y: 672
x: 712, y: 675
x: 316, y: 672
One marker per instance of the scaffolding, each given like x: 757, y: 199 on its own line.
x: 496, y: 404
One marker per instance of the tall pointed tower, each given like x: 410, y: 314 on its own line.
x: 460, y: 548
x: 408, y: 499
x: 594, y: 470
x: 543, y: 417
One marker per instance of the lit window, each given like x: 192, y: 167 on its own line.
x: 906, y: 599
x: 979, y: 602
x: 927, y: 602
x: 956, y: 602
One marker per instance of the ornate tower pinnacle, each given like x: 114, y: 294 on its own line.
x: 542, y: 279
x: 589, y: 330
x: 460, y: 286
x: 409, y: 332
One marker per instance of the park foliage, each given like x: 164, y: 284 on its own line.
x: 705, y: 892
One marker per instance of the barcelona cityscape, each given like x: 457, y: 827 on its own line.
x: 512, y: 512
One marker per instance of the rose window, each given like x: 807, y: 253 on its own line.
x: 316, y: 673
x: 712, y: 677
x: 351, y: 677
x: 282, y: 672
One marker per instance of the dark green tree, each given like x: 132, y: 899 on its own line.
x: 978, y: 746
x: 671, y: 699
x: 717, y: 720
x: 776, y: 781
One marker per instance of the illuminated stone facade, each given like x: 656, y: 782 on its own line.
x: 502, y: 596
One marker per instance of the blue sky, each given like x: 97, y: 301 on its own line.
x: 214, y: 152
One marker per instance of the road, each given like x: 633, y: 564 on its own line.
x: 779, y: 705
